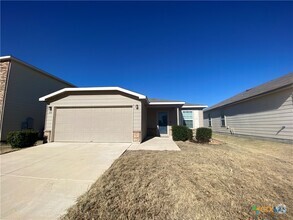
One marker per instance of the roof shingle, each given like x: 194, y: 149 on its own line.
x: 278, y: 83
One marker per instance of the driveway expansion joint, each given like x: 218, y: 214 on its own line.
x: 55, y: 179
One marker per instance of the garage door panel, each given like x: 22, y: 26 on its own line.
x: 94, y: 124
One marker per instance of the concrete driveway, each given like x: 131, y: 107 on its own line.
x: 42, y: 182
x: 156, y: 143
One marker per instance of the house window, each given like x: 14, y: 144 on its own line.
x: 223, y: 120
x: 187, y: 118
x: 210, y: 120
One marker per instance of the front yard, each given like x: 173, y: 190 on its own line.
x: 220, y: 181
x: 6, y: 148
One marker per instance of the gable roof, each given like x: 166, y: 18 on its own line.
x: 11, y: 58
x: 270, y: 86
x: 139, y: 96
x: 151, y: 101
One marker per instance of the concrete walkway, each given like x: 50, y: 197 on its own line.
x: 42, y: 182
x: 156, y: 143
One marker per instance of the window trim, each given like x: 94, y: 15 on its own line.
x: 192, y: 118
x: 210, y: 120
x: 223, y: 119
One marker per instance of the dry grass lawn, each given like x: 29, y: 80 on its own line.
x: 6, y: 148
x: 202, y: 181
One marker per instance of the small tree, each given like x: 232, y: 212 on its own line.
x: 203, y: 134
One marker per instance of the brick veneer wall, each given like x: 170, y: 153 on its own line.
x: 3, y: 79
x: 137, y: 136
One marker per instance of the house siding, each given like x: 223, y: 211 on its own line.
x: 96, y: 99
x: 24, y: 87
x: 200, y: 118
x: 263, y: 116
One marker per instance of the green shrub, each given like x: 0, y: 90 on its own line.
x: 181, y: 133
x: 189, y: 134
x: 24, y: 138
x: 203, y: 134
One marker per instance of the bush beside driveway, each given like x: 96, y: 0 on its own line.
x: 6, y: 148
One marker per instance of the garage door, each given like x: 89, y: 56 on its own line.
x: 93, y: 124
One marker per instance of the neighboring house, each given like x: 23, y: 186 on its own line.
x: 113, y: 114
x: 265, y: 111
x: 21, y: 85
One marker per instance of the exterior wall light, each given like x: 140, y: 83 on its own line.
x: 136, y: 107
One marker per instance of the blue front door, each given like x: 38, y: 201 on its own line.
x: 163, y: 122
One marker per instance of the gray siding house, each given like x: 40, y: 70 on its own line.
x: 21, y: 85
x: 113, y: 114
x: 264, y: 111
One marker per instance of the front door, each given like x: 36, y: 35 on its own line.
x: 163, y: 122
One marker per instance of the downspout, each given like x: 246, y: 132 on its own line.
x: 178, y: 116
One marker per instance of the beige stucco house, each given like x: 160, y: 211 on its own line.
x: 21, y: 85
x: 264, y: 111
x: 113, y: 114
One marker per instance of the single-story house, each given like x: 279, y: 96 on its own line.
x: 113, y: 114
x: 264, y: 111
x: 21, y: 85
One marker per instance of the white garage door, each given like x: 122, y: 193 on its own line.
x: 94, y: 124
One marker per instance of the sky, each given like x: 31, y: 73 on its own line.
x: 198, y: 52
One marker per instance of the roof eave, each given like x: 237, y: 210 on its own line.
x: 166, y: 103
x: 249, y: 98
x: 139, y: 96
x: 11, y: 58
x: 194, y: 106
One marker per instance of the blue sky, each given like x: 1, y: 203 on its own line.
x: 200, y: 52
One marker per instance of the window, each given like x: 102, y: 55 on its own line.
x: 210, y: 120
x: 187, y: 118
x: 223, y: 120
